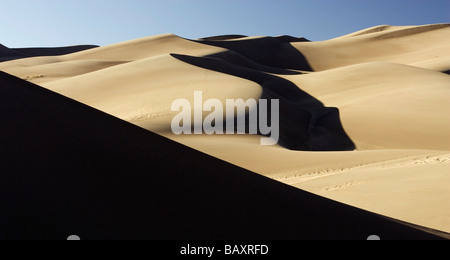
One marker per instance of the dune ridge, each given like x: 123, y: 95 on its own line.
x: 385, y: 89
x: 394, y: 31
x: 399, y: 44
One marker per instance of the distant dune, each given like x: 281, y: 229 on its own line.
x: 7, y: 54
x: 423, y: 46
x: 376, y: 100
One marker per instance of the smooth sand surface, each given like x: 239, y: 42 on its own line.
x: 386, y: 81
x: 386, y: 105
x: 399, y: 44
x: 147, y: 101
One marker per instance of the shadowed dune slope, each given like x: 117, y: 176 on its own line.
x: 7, y: 54
x: 386, y: 105
x: 269, y: 51
x: 223, y: 37
x: 305, y: 124
x: 69, y: 169
x: 4, y: 50
x: 288, y: 38
x: 34, y: 52
x: 242, y: 61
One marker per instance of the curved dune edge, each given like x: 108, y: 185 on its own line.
x: 407, y: 45
x: 386, y: 105
x: 387, y: 83
x: 142, y: 91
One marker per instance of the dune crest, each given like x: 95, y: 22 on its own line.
x: 407, y: 45
x: 388, y: 31
x: 98, y: 58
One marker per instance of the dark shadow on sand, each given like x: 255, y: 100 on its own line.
x: 305, y: 123
x: 224, y: 37
x: 7, y: 54
x: 242, y: 61
x: 268, y: 51
x: 68, y: 169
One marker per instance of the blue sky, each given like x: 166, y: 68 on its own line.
x: 25, y: 23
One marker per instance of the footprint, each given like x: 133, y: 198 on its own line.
x: 343, y: 186
x: 31, y: 78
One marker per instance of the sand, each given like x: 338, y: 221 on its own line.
x: 388, y: 84
x: 71, y: 169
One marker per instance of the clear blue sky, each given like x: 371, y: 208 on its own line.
x: 60, y: 22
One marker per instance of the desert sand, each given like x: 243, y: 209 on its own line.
x: 379, y: 98
x: 71, y: 169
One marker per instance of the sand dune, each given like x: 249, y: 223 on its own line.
x: 147, y: 101
x: 386, y: 105
x: 224, y: 37
x: 35, y: 52
x: 381, y: 90
x: 305, y: 124
x: 405, y: 45
x: 401, y: 185
x: 126, y: 187
x: 273, y: 52
x: 7, y: 54
x: 103, y: 57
